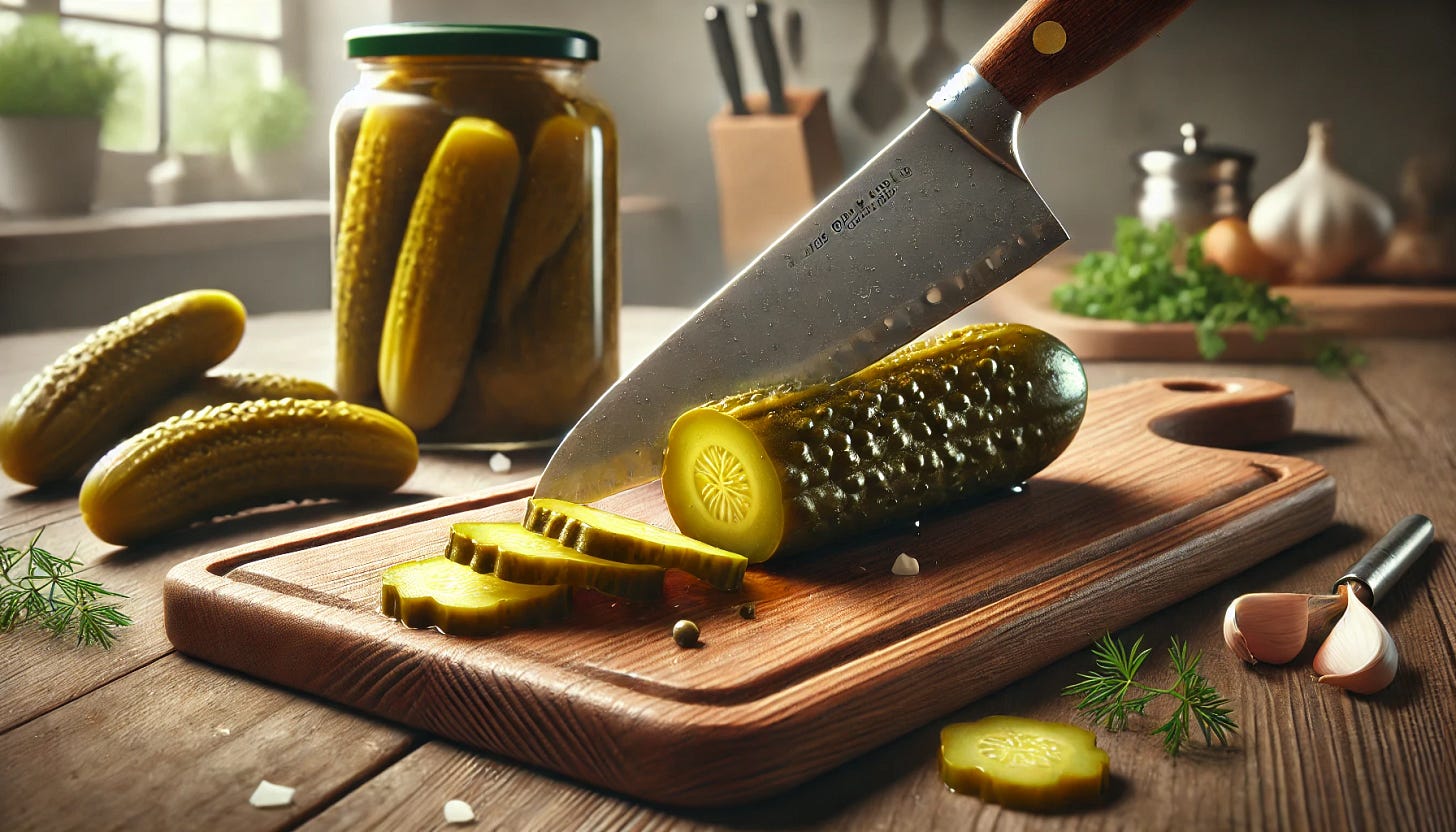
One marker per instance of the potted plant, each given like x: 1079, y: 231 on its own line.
x: 264, y: 142
x: 54, y: 90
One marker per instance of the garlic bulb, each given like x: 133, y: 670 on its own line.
x: 1318, y: 220
x: 1360, y: 653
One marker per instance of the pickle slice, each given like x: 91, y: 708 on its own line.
x: 457, y: 600
x: 614, y: 537
x: 1024, y: 763
x: 519, y: 555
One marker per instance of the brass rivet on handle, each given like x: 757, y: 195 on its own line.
x: 1049, y: 37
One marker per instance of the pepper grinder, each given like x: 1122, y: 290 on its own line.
x: 1193, y: 185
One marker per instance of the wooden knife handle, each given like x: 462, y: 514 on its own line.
x: 1053, y: 45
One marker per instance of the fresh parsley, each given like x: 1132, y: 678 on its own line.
x: 1142, y: 280
x: 41, y: 589
x: 1111, y: 693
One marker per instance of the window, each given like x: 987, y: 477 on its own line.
x: 183, y: 57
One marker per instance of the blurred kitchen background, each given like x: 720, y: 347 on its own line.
x: 1254, y: 72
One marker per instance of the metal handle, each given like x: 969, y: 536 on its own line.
x: 727, y: 59
x: 1388, y: 559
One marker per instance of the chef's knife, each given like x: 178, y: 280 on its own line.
x: 938, y: 218
x: 727, y: 57
x: 760, y: 22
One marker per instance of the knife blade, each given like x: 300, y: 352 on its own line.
x: 727, y: 56
x: 938, y: 218
x: 760, y: 22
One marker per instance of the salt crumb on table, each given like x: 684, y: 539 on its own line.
x: 905, y: 565
x: 458, y: 811
x: 271, y: 795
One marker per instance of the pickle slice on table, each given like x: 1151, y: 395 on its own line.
x: 614, y: 537
x: 1024, y: 763
x: 455, y: 599
x: 514, y: 553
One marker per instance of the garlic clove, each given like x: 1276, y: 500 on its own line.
x: 1268, y: 627
x: 1235, y: 639
x: 1360, y: 653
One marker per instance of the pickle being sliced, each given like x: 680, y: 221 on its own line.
x: 1024, y: 763
x: 437, y: 592
x: 614, y: 537
x: 781, y: 470
x: 519, y: 555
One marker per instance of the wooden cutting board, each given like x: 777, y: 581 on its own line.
x: 842, y: 655
x: 1331, y: 311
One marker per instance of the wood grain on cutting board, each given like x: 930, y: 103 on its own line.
x: 1338, y: 310
x: 842, y: 655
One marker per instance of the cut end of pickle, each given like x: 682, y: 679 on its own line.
x: 454, y: 599
x: 722, y: 485
x: 1024, y: 763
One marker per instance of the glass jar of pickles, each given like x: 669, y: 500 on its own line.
x: 475, y: 267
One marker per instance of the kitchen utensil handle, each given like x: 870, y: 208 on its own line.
x: 768, y: 56
x: 794, y: 37
x: 1053, y: 45
x: 880, y: 21
x: 934, y: 16
x: 1389, y: 558
x: 727, y: 59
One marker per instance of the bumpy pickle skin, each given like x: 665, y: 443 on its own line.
x: 517, y: 554
x: 92, y: 397
x: 775, y: 472
x: 1024, y: 763
x: 446, y: 266
x: 444, y: 271
x: 551, y: 204
x: 391, y: 154
x: 458, y: 601
x: 614, y: 537
x: 233, y: 456
x: 237, y: 386
x: 515, y: 388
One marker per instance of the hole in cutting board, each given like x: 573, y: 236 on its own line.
x: 1199, y: 387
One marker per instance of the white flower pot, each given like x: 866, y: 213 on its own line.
x: 48, y: 164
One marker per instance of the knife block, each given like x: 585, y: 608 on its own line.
x: 771, y: 169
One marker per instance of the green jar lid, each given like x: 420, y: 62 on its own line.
x: 469, y: 39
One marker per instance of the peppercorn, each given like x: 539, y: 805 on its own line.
x: 685, y: 633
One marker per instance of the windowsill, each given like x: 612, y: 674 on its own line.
x: 133, y: 232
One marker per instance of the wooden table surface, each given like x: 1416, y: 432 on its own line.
x: 139, y: 737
